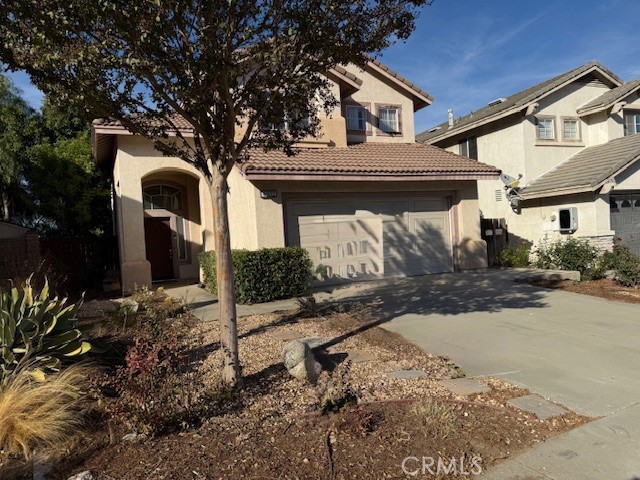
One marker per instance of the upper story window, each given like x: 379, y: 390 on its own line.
x: 546, y: 129
x: 469, y: 148
x: 389, y: 119
x: 162, y: 197
x: 631, y: 123
x: 356, y: 118
x: 570, y: 129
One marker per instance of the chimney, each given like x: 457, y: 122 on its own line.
x: 450, y: 112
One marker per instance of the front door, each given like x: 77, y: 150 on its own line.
x: 159, y: 247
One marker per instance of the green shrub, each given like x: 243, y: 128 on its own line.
x: 570, y: 254
x: 625, y: 263
x: 516, y: 255
x: 264, y: 275
x: 37, y: 331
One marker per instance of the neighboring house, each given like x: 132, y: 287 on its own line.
x: 573, y: 141
x: 364, y: 198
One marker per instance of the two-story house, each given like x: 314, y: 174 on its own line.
x: 364, y: 198
x: 568, y: 151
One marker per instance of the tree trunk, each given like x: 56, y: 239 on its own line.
x: 6, y: 204
x: 224, y: 278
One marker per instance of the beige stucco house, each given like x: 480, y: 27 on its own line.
x: 571, y: 145
x: 364, y: 198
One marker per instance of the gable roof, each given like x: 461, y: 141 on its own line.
x: 587, y: 170
x: 610, y: 97
x: 365, y: 161
x: 420, y: 97
x: 517, y: 102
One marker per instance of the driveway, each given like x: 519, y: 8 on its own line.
x: 580, y: 351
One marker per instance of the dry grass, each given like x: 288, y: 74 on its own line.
x: 41, y: 414
x: 437, y: 417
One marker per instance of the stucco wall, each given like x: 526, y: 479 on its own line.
x: 136, y: 160
x: 537, y: 222
x: 377, y: 90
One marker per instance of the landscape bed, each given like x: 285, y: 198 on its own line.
x: 359, y: 421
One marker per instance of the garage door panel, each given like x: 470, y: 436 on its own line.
x: 378, y: 238
x: 625, y: 219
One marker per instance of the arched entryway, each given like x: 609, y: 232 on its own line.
x: 172, y: 224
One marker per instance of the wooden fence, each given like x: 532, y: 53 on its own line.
x: 495, y: 233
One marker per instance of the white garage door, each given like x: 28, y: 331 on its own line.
x: 358, y: 238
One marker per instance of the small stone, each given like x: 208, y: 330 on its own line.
x: 130, y: 437
x: 86, y: 475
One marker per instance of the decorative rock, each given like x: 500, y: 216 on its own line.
x: 128, y: 305
x: 130, y: 437
x: 294, y: 353
x: 86, y: 475
x: 300, y: 362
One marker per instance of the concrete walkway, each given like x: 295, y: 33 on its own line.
x: 204, y: 305
x: 580, y: 351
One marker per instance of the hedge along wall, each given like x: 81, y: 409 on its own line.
x: 264, y: 275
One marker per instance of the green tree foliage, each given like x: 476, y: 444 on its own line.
x: 19, y: 129
x: 69, y: 194
x: 223, y: 66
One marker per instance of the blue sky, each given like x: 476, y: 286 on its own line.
x: 466, y: 53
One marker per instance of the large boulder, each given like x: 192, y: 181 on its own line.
x: 299, y: 359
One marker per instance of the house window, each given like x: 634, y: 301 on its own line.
x: 546, y: 129
x: 162, y: 197
x: 469, y: 148
x: 389, y: 119
x: 182, y: 239
x: 631, y: 123
x: 356, y: 118
x: 570, y: 129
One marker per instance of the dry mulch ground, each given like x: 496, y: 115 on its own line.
x: 605, y: 288
x: 273, y: 427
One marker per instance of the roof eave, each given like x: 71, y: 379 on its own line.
x: 449, y: 133
x: 420, y: 99
x: 255, y: 175
x: 556, y: 192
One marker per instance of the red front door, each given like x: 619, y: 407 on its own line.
x: 157, y: 237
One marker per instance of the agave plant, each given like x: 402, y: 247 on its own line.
x: 37, y: 331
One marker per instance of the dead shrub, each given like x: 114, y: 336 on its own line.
x: 436, y: 417
x: 43, y: 415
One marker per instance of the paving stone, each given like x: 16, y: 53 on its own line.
x: 286, y: 335
x: 464, y: 386
x: 537, y: 405
x: 361, y: 356
x: 408, y: 374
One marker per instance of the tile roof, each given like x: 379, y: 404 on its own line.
x: 586, y: 170
x: 410, y: 85
x: 178, y: 121
x: 610, y: 97
x: 366, y: 160
x: 514, y: 102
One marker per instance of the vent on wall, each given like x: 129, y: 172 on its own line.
x: 592, y: 80
x: 498, y: 195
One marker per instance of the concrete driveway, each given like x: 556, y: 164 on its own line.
x: 580, y: 351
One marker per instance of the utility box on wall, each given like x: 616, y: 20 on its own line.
x: 568, y: 219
